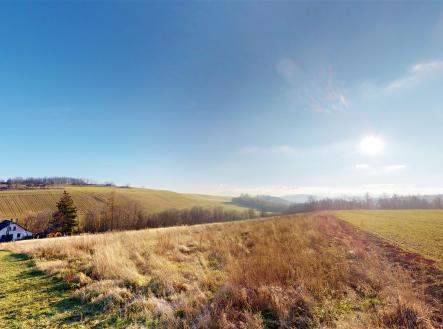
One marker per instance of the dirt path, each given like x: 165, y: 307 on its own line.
x: 30, y: 299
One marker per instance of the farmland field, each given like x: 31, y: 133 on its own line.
x: 16, y: 203
x: 419, y: 231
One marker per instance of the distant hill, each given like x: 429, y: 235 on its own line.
x: 265, y: 203
x: 298, y: 198
x: 16, y: 203
x: 274, y: 199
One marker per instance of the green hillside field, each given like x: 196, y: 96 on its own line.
x: 17, y: 203
x: 419, y: 231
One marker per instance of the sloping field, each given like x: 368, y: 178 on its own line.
x: 310, y: 271
x: 419, y: 231
x: 16, y: 204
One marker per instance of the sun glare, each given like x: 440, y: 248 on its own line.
x: 371, y: 145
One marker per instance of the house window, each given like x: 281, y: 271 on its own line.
x: 18, y: 235
x: 14, y: 228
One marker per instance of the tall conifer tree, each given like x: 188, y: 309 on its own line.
x: 65, y: 219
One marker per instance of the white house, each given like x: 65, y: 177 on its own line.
x: 10, y: 230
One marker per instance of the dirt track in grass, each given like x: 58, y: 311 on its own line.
x: 424, y: 271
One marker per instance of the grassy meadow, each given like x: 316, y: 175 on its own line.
x: 17, y: 203
x: 305, y: 271
x: 29, y: 298
x: 419, y: 231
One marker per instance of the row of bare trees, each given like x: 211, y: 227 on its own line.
x: 119, y: 213
x: 43, y: 181
x: 368, y: 202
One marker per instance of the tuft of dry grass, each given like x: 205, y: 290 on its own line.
x: 285, y: 272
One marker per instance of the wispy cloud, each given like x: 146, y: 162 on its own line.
x: 395, y: 167
x: 326, y: 191
x: 379, y: 170
x: 416, y: 74
x: 268, y: 150
x: 335, y: 148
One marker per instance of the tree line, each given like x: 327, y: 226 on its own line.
x: 41, y: 182
x: 121, y: 214
x: 263, y: 203
x: 368, y: 202
x: 44, y: 181
x: 118, y: 213
x: 119, y: 217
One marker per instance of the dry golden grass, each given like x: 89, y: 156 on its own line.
x: 287, y: 272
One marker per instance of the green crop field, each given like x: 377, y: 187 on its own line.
x: 419, y: 231
x: 16, y: 203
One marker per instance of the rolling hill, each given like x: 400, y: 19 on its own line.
x: 16, y: 203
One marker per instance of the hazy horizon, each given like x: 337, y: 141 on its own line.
x: 226, y: 97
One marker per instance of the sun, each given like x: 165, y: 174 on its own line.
x: 372, y: 145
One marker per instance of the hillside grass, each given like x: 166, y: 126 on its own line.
x: 31, y: 299
x: 286, y: 272
x: 16, y: 203
x: 419, y: 231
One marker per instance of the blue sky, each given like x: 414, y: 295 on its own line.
x: 225, y: 97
